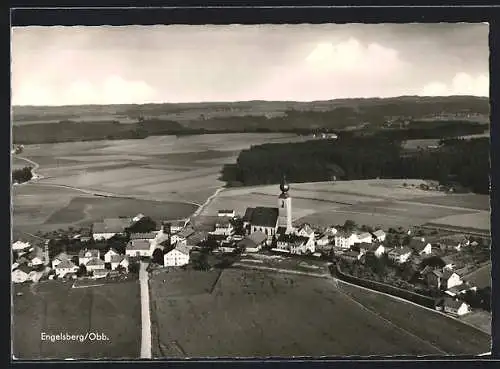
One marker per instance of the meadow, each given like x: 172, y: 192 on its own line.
x: 251, y: 313
x: 54, y: 307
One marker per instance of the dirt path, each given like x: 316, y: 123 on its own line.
x: 145, y: 313
x: 206, y: 203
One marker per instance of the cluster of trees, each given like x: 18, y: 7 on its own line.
x: 465, y: 162
x: 22, y: 175
x: 435, y: 129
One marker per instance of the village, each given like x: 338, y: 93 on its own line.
x: 430, y: 263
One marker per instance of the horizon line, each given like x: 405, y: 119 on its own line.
x: 249, y: 101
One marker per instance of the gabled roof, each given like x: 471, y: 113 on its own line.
x: 293, y: 239
x: 186, y: 232
x: 257, y: 237
x: 94, y: 262
x: 113, y: 251
x: 364, y: 235
x: 460, y: 288
x: 400, y: 250
x: 417, y: 244
x: 137, y: 245
x: 20, y: 245
x: 197, y: 238
x: 143, y: 236
x: 306, y: 228
x: 36, y: 252
x: 447, y: 274
x: 264, y: 216
x: 379, y: 233
x: 93, y: 253
x: 455, y: 304
x: 117, y: 258
x: 61, y: 256
x: 65, y: 264
x: 179, y: 246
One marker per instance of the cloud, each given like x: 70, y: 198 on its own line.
x: 461, y: 84
x: 112, y: 90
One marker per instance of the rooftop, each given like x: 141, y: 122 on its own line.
x: 137, y: 245
x: 143, y: 236
x: 95, y: 262
x: 262, y: 216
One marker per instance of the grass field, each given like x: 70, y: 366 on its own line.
x: 54, y: 307
x: 478, y: 220
x: 480, y: 277
x: 251, y: 313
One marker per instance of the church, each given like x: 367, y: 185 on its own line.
x: 271, y: 221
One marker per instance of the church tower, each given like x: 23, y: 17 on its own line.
x: 285, y: 207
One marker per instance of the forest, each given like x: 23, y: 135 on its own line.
x: 456, y: 161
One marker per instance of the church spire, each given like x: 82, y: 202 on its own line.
x: 284, y: 187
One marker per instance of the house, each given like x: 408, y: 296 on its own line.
x: 20, y: 246
x: 295, y: 244
x: 59, y: 258
x: 350, y: 256
x: 21, y: 274
x: 109, y: 255
x: 253, y: 242
x: 345, y: 240
x: 139, y: 248
x: 85, y: 255
x: 374, y: 249
x: 196, y: 238
x: 143, y: 236
x: 64, y: 267
x: 119, y: 261
x: 94, y: 264
x: 330, y: 232
x: 110, y: 227
x: 176, y: 226
x: 455, y: 307
x: 454, y: 242
x: 364, y: 237
x: 420, y: 247
x: 399, y: 255
x: 379, y: 235
x: 458, y: 290
x: 178, y: 256
x: 182, y: 235
x: 226, y: 213
x: 224, y: 226
x: 305, y: 231
x: 161, y: 240
x: 36, y: 256
x: 324, y: 240
x: 261, y: 219
x: 449, y: 262
x: 443, y: 279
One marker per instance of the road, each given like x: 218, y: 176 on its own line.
x: 145, y: 313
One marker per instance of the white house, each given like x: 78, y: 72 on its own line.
x: 399, y: 254
x: 64, y: 267
x: 379, y: 235
x: 377, y: 249
x: 20, y: 246
x: 224, y: 227
x: 139, y: 248
x: 226, y: 213
x: 21, y: 274
x: 85, y: 255
x: 178, y: 256
x: 455, y: 307
x: 323, y: 240
x: 109, y: 255
x: 345, y: 240
x: 450, y: 279
x: 364, y: 237
x: 295, y: 244
x: 420, y: 246
x: 119, y: 260
x: 182, y: 235
x: 94, y: 264
x: 59, y: 259
x: 305, y: 231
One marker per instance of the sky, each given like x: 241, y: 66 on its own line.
x: 182, y: 63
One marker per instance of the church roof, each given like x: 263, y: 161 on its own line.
x: 263, y: 216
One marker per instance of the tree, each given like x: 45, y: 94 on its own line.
x: 143, y: 225
x: 134, y: 267
x: 82, y: 271
x: 349, y: 225
x: 158, y: 256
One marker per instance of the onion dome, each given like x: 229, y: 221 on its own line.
x: 284, y: 187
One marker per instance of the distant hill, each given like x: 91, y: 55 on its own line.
x: 33, y: 124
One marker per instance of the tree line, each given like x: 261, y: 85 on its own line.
x: 456, y: 161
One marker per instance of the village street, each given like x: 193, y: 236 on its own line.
x: 145, y: 313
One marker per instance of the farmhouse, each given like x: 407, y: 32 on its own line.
x: 455, y: 307
x: 36, y: 257
x: 178, y: 256
x: 64, y: 267
x: 419, y: 246
x: 143, y: 236
x: 364, y: 237
x: 295, y: 244
x: 119, y: 261
x: 372, y: 249
x: 94, y: 264
x: 59, y: 258
x: 253, y: 242
x: 182, y: 235
x: 379, y: 235
x: 444, y: 280
x: 350, y: 256
x: 110, y: 227
x: 458, y: 290
x: 399, y: 255
x: 20, y: 246
x: 226, y: 213
x: 21, y: 274
x: 85, y: 255
x: 224, y: 227
x: 324, y: 240
x: 109, y: 255
x: 305, y: 231
x: 345, y: 240
x: 139, y: 248
x: 174, y: 227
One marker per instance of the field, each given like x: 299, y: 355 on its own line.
x: 54, y: 307
x: 480, y: 277
x: 378, y: 203
x: 251, y: 313
x: 178, y: 174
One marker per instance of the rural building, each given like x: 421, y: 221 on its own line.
x: 345, y: 240
x: 161, y: 240
x: 143, y: 236
x: 305, y: 231
x: 64, y: 267
x: 420, y: 247
x: 20, y: 246
x: 399, y: 255
x: 59, y: 258
x: 85, y: 255
x: 109, y: 255
x: 178, y: 256
x: 453, y: 242
x: 223, y: 227
x: 350, y: 256
x: 119, y: 261
x: 324, y: 240
x: 458, y: 290
x: 226, y: 213
x: 182, y: 235
x: 379, y: 235
x: 36, y: 257
x: 139, y: 248
x: 364, y: 237
x: 443, y: 280
x: 295, y: 244
x: 94, y: 264
x: 253, y: 242
x: 455, y: 307
x: 376, y: 249
x: 110, y: 227
x: 174, y: 227
x: 196, y: 239
x: 449, y: 262
x: 21, y: 274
